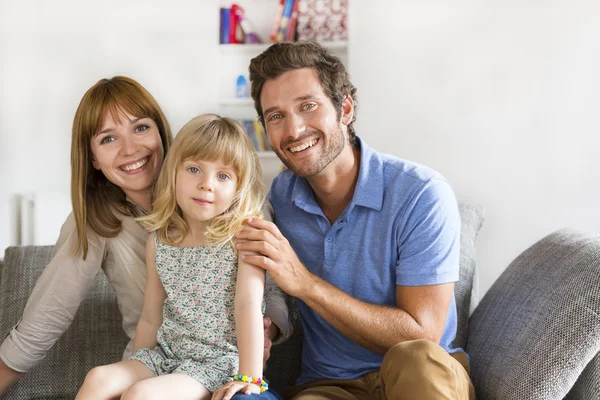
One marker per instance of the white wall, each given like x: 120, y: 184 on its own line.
x: 502, y: 99
x: 52, y: 52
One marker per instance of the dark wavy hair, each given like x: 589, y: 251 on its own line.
x: 287, y: 56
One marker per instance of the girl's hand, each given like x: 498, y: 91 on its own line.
x: 229, y: 389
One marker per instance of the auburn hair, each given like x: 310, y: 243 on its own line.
x: 93, y: 196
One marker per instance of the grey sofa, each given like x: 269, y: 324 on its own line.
x: 534, y: 335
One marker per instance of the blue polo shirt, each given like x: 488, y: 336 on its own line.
x: 402, y: 227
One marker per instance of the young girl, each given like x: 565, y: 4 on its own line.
x: 199, y: 292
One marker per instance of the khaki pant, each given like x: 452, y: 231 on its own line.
x: 417, y: 369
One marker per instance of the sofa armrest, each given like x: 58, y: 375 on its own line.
x: 95, y: 336
x: 588, y: 383
x: 538, y: 327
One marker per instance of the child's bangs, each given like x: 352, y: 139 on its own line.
x: 213, y: 145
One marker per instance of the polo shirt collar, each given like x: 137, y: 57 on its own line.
x: 304, y: 197
x: 368, y: 191
x: 369, y: 187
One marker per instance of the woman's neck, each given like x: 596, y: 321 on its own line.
x: 141, y: 198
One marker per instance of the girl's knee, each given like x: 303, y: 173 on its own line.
x: 138, y: 391
x: 98, y: 375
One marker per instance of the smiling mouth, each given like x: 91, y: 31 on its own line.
x: 135, y: 165
x: 303, y: 146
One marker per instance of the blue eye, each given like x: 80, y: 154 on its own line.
x: 107, y: 139
x: 308, y: 106
x: 223, y: 176
x: 194, y: 170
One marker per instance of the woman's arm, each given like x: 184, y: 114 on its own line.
x: 8, y: 378
x: 154, y: 298
x: 277, y: 310
x: 52, y: 305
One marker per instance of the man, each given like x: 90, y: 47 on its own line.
x: 367, y: 243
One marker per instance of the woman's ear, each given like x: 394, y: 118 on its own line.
x: 347, y: 110
x: 95, y: 163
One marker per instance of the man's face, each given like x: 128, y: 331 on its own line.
x: 301, y: 122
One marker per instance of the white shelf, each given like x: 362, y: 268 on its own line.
x: 341, y: 45
x: 237, y: 102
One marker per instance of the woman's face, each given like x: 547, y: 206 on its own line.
x: 129, y: 152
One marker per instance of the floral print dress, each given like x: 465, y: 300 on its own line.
x: 197, y: 336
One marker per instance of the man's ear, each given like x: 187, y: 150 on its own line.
x: 347, y: 110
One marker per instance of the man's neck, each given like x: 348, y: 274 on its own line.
x: 334, y: 187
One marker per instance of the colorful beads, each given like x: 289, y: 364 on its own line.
x: 264, y: 386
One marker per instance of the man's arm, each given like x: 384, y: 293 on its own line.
x: 420, y: 313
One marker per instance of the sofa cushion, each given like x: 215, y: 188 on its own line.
x: 588, y: 383
x: 538, y: 326
x: 472, y: 217
x: 95, y: 337
x: 283, y: 367
x: 1, y: 303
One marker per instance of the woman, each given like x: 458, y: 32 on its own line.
x: 120, y: 136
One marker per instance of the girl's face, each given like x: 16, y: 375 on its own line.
x: 204, y: 189
x: 129, y: 152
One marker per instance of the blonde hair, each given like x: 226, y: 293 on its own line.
x: 208, y: 137
x: 94, y: 197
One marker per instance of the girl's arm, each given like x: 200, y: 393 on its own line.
x: 249, y: 329
x: 154, y: 298
x: 52, y: 305
x: 248, y: 318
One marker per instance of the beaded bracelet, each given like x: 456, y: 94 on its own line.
x: 264, y: 386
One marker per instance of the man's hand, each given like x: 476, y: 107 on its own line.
x: 274, y: 254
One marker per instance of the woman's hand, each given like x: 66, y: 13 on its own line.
x: 8, y: 378
x: 267, y: 325
x: 229, y: 389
